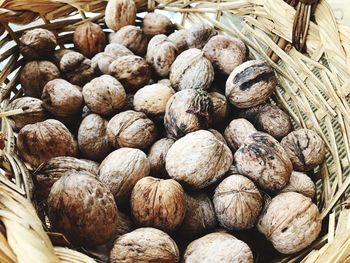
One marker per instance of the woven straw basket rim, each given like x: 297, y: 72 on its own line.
x: 315, y: 91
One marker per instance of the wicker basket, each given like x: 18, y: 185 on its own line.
x: 314, y: 89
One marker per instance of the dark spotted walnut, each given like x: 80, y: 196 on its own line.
x: 156, y: 157
x: 120, y: 13
x: 155, y: 24
x: 199, y: 34
x: 237, y: 131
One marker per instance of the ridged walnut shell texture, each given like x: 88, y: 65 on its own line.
x: 41, y: 141
x: 155, y: 24
x: 34, y: 76
x: 156, y: 157
x: 102, y: 61
x: 83, y: 209
x: 250, y: 84
x: 158, y: 203
x: 131, y: 129
x: 179, y: 39
x: 121, y: 170
x: 218, y: 135
x: 58, y: 54
x: 305, y: 148
x: 145, y: 245
x: 237, y: 131
x: 300, y: 183
x: 220, y: 108
x: 265, y: 161
x: 117, y: 50
x: 120, y: 13
x: 237, y: 203
x: 191, y: 70
x: 218, y: 248
x: 291, y: 222
x: 198, y: 159
x: 89, y: 39
x: 199, y: 34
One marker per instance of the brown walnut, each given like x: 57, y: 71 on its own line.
x: 237, y: 131
x: 117, y: 50
x: 179, y: 39
x: 220, y: 108
x: 155, y: 24
x: 156, y: 157
x: 199, y: 34
x: 120, y: 13
x: 102, y: 61
x: 300, y: 183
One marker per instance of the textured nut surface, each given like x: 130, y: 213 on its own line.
x: 218, y: 248
x: 191, y: 70
x: 131, y: 129
x: 125, y: 225
x: 120, y: 13
x: 220, y: 108
x: 131, y: 37
x: 158, y: 203
x: 34, y: 76
x: 156, y: 157
x: 305, y: 148
x: 58, y: 54
x: 300, y: 183
x: 104, y: 95
x: 218, y: 135
x: 33, y: 112
x: 263, y: 160
x: 120, y: 171
x: 198, y: 159
x: 225, y: 53
x: 37, y: 43
x: 117, y: 50
x: 145, y: 245
x: 250, y: 84
x: 89, y: 39
x: 41, y: 141
x: 102, y: 61
x: 179, y: 39
x: 237, y: 131
x: 291, y: 222
x: 83, y: 209
x: 237, y: 202
x: 199, y: 34
x: 155, y: 24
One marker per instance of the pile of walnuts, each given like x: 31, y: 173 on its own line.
x: 149, y: 134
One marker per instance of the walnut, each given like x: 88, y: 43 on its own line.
x: 37, y: 44
x: 152, y: 100
x: 191, y: 70
x: 264, y: 160
x: 179, y: 39
x: 225, y: 53
x: 77, y: 69
x: 250, y: 84
x: 34, y: 76
x: 165, y: 82
x: 102, y: 61
x: 131, y: 129
x: 131, y: 37
x: 33, y: 112
x: 58, y: 54
x: 306, y: 149
x: 89, y: 39
x: 145, y: 245
x: 218, y: 135
x: 83, y: 209
x: 117, y: 50
x: 218, y: 247
x: 199, y: 34
x: 220, y: 108
x: 53, y: 169
x: 291, y: 222
x: 198, y: 159
x: 125, y: 225
x: 237, y: 131
x: 132, y: 71
x: 237, y: 202
x: 120, y: 171
x: 104, y: 95
x: 158, y: 203
x: 155, y: 24
x: 156, y: 157
x: 129, y: 103
x: 120, y: 13
x: 161, y: 54
x: 300, y: 183
x: 41, y: 141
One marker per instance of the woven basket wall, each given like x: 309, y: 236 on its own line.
x: 314, y: 89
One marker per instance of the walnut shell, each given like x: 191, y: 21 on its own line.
x: 83, y: 209
x: 35, y: 75
x: 104, y: 95
x: 237, y: 131
x: 218, y: 135
x: 158, y: 203
x: 33, y: 112
x: 145, y: 245
x: 102, y: 61
x: 132, y: 71
x: 156, y: 157
x: 191, y: 70
x: 41, y: 141
x: 120, y: 13
x: 218, y: 248
x: 179, y: 39
x: 199, y: 34
x: 131, y: 37
x: 58, y: 54
x: 161, y: 54
x: 77, y: 69
x: 152, y: 99
x: 291, y: 222
x: 125, y: 225
x: 237, y: 202
x: 155, y: 24
x: 129, y: 103
x: 264, y: 160
x: 131, y: 129
x: 300, y: 183
x: 117, y: 50
x: 37, y: 44
x: 220, y: 108
x: 89, y: 39
x: 306, y: 149
x: 120, y: 171
x: 250, y: 84
x: 53, y: 169
x: 225, y: 53
x: 198, y: 159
